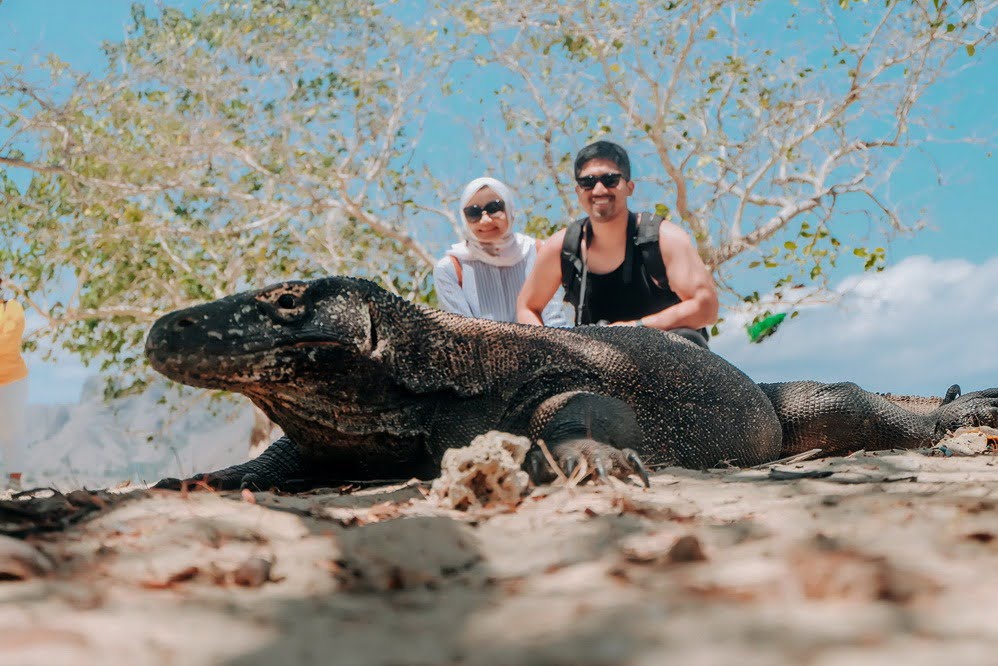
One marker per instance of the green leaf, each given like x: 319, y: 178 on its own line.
x: 971, y: 49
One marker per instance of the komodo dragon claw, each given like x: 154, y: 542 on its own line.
x: 639, y: 467
x: 600, y: 468
x: 571, y: 464
x: 604, y: 461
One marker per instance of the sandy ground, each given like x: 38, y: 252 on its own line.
x: 886, y: 560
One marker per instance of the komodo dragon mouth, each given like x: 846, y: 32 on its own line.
x: 315, y: 343
x: 204, y: 362
x: 162, y: 350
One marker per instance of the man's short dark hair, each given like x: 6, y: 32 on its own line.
x: 604, y: 150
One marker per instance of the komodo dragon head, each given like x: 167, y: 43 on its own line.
x: 293, y: 333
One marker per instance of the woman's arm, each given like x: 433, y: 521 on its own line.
x: 450, y: 295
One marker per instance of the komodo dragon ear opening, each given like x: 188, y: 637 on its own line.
x: 372, y: 327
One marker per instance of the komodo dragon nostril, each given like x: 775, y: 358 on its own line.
x: 184, y: 322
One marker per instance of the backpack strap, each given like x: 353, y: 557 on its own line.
x: 457, y: 269
x: 646, y: 241
x: 571, y: 259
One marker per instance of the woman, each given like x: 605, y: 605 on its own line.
x: 13, y: 389
x: 482, y: 275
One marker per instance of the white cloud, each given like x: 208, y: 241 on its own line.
x: 915, y: 328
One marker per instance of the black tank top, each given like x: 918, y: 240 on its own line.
x: 619, y: 296
x: 628, y: 292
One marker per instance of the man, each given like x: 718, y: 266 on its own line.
x: 619, y: 267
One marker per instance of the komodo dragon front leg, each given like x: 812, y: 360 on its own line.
x: 288, y: 465
x: 280, y: 463
x: 579, y: 426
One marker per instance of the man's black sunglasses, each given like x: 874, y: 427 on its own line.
x: 474, y: 213
x: 609, y: 180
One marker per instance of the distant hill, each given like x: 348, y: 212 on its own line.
x: 162, y: 432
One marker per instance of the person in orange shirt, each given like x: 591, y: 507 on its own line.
x: 13, y: 389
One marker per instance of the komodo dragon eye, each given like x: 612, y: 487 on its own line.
x: 287, y: 302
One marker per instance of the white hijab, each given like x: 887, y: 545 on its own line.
x: 508, y: 250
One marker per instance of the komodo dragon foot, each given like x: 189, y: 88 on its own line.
x: 580, y: 426
x: 979, y: 408
x: 279, y: 466
x: 602, y: 461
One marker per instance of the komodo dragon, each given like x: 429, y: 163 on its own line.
x: 369, y: 386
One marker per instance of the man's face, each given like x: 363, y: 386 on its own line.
x: 602, y: 203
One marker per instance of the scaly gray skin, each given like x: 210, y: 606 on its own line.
x: 368, y: 386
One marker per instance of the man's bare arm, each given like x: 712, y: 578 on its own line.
x: 689, y: 278
x: 542, y: 283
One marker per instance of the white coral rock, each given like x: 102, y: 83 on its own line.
x: 483, y: 474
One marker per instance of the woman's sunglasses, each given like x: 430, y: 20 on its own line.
x: 474, y: 213
x: 609, y: 180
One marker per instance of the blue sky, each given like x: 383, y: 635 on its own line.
x: 925, y: 322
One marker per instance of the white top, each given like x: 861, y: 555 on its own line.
x: 489, y: 292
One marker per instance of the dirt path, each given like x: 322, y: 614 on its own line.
x: 890, y: 559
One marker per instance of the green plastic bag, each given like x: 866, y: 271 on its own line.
x: 761, y: 330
